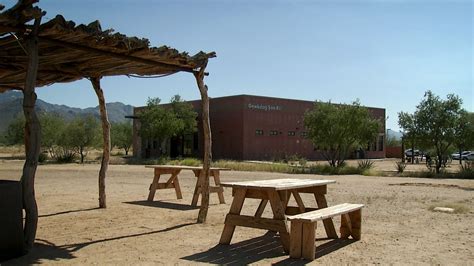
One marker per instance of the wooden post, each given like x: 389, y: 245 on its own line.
x: 204, y: 176
x: 106, y: 137
x: 32, y: 140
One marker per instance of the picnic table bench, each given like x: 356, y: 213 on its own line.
x: 278, y: 193
x: 303, y: 227
x: 173, y: 181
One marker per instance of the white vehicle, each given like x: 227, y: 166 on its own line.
x: 408, y: 153
x: 465, y: 155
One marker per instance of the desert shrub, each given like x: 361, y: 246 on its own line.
x: 365, y: 165
x: 186, y: 161
x: 400, y: 167
x: 261, y: 167
x: 326, y: 169
x: 66, y: 158
x: 466, y: 171
x: 302, y: 161
x: 42, y: 157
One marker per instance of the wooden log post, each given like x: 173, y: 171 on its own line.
x: 106, y: 137
x: 204, y: 176
x: 32, y: 140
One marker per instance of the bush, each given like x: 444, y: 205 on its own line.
x: 262, y: 167
x: 400, y: 166
x: 302, y: 162
x: 66, y: 158
x: 467, y: 170
x: 186, y: 161
x: 365, y: 165
x: 43, y: 156
x: 326, y: 169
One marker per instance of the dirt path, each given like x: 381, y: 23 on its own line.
x: 398, y: 226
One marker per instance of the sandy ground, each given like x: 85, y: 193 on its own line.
x: 398, y: 226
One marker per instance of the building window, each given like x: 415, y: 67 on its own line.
x: 259, y: 132
x: 273, y: 132
x: 381, y: 142
x: 291, y: 133
x: 304, y: 134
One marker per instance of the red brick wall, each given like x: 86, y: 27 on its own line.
x: 393, y: 152
x: 235, y: 119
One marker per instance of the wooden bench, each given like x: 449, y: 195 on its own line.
x: 303, y: 227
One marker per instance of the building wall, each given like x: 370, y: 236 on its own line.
x: 226, y: 126
x: 245, y: 127
x: 277, y: 119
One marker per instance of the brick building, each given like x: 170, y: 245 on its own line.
x: 246, y: 127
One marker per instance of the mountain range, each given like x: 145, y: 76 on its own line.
x: 11, y: 107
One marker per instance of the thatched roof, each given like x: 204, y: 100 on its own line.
x: 69, y: 52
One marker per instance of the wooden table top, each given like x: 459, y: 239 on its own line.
x: 184, y: 167
x: 279, y: 184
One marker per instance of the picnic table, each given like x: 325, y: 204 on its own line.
x: 278, y: 193
x: 173, y: 181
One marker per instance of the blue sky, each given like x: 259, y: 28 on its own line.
x: 385, y: 53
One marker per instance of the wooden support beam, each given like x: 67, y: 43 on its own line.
x: 84, y: 48
x: 32, y: 140
x: 106, y: 137
x: 207, y: 157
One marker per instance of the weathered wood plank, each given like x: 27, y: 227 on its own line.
x: 217, y: 182
x: 279, y: 184
x: 356, y: 222
x: 252, y: 193
x: 177, y: 187
x: 153, y: 187
x: 328, y: 223
x: 261, y: 208
x: 255, y: 222
x: 32, y: 141
x: 165, y: 186
x: 106, y: 140
x: 308, y: 241
x: 207, y: 156
x: 296, y: 238
x: 346, y: 228
x: 291, y: 210
x: 235, y: 208
x: 279, y: 215
x: 298, y: 199
x: 327, y: 212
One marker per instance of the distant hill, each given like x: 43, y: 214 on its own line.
x: 394, y: 134
x: 11, y: 107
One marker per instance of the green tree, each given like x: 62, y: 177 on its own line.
x: 79, y: 135
x: 435, y: 123
x: 337, y: 129
x: 16, y: 131
x: 52, y: 127
x: 393, y: 142
x: 122, y: 136
x: 464, y: 136
x: 410, y: 132
x: 163, y: 122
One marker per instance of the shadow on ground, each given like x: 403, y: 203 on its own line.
x: 45, y: 251
x: 245, y: 252
x: 260, y: 248
x: 66, y: 212
x: 165, y: 205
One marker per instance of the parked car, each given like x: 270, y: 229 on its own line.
x: 464, y: 155
x: 408, y: 153
x: 470, y: 156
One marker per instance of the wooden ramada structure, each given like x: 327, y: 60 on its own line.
x: 35, y: 54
